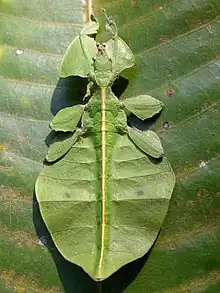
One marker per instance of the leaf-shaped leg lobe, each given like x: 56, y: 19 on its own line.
x: 143, y: 106
x: 67, y: 119
x: 121, y: 122
x: 148, y: 141
x: 62, y: 145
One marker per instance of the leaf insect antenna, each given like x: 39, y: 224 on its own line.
x: 112, y: 28
x: 110, y: 25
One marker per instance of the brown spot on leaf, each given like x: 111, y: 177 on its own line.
x: 159, y: 8
x: 9, y: 192
x: 198, y: 193
x: 22, y: 284
x: 5, y: 168
x: 176, y: 203
x: 197, y: 24
x: 196, y: 285
x: 187, y: 237
x: 190, y: 203
x: 185, y: 172
x: 172, y: 246
x: 213, y: 212
x: 166, y: 125
x: 31, y: 243
x: 164, y: 40
x: 19, y: 238
x: 202, y: 193
x: 170, y: 92
x: 13, y: 193
x: 209, y: 29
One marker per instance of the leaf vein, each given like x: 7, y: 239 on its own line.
x: 55, y: 23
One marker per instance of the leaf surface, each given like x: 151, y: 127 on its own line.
x: 176, y: 46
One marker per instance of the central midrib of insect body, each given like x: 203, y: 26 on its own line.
x: 103, y: 173
x: 105, y: 107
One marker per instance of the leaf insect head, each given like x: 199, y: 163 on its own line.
x: 103, y: 74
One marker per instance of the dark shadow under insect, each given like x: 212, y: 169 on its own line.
x: 70, y: 91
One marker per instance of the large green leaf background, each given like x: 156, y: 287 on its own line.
x: 177, y: 48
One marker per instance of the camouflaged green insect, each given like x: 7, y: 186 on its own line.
x: 107, y: 191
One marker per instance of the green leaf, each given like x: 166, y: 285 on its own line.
x: 148, y: 141
x: 67, y: 119
x: 140, y: 193
x: 176, y: 46
x: 61, y: 145
x: 143, y: 106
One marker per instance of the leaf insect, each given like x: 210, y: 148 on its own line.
x: 118, y: 181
